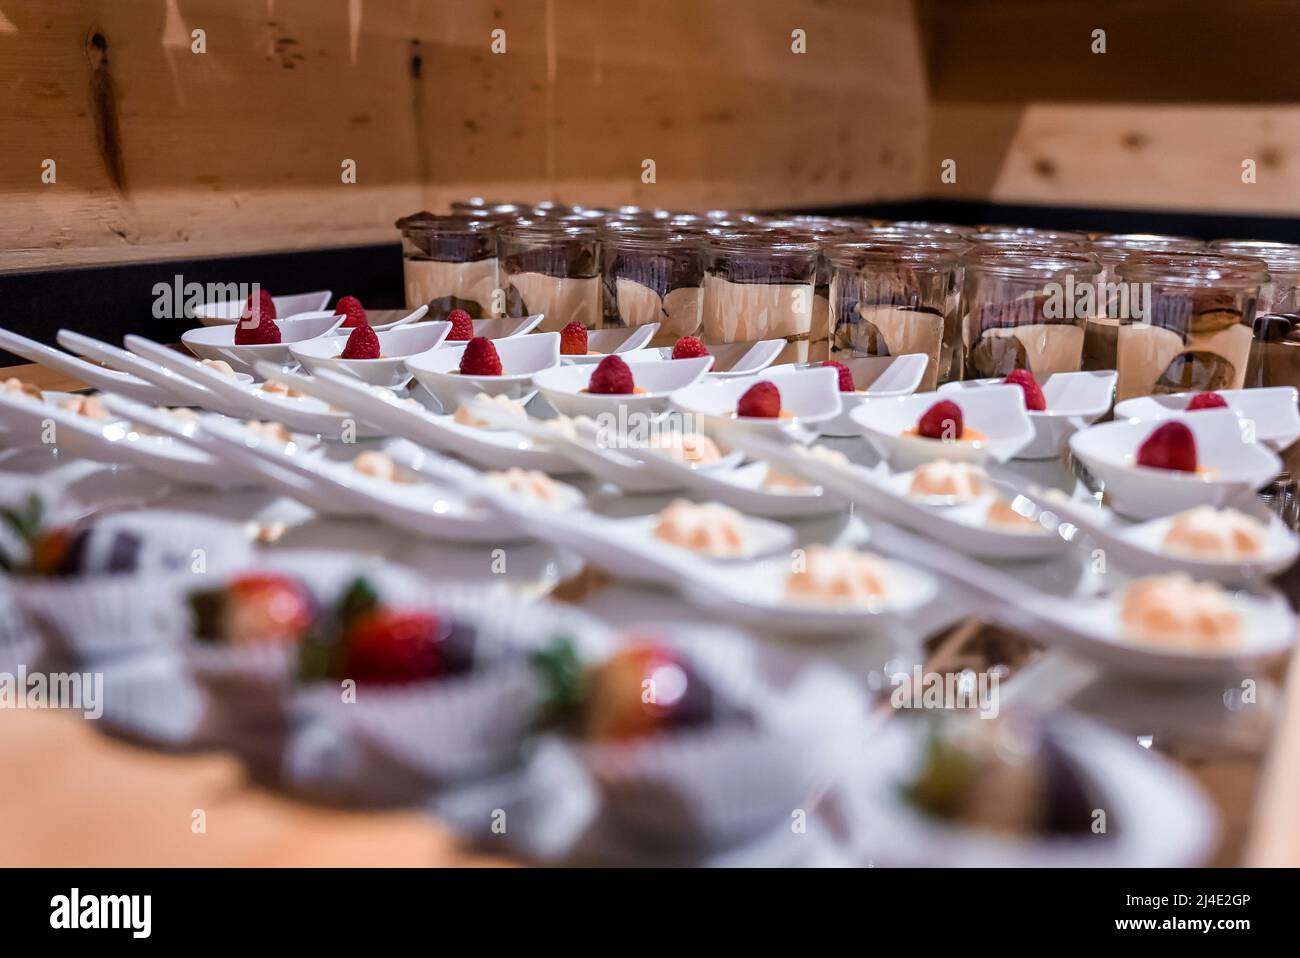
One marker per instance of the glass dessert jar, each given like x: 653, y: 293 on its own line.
x: 652, y: 274
x: 890, y: 297
x: 1112, y: 249
x: 1194, y: 332
x: 1021, y: 308
x: 449, y: 262
x: 552, y: 267
x: 760, y: 285
x: 1064, y: 239
x: 1281, y: 294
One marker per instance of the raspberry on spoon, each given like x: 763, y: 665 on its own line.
x: 943, y: 421
x: 462, y: 326
x: 1207, y: 401
x: 760, y: 401
x: 1170, y: 446
x: 611, y: 377
x: 363, y: 343
x: 480, y: 358
x: 573, y: 340
x: 1034, y: 400
x: 263, y: 333
x: 846, y: 375
x: 350, y: 307
x: 689, y: 347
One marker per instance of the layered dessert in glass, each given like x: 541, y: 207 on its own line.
x: 1197, y: 331
x: 890, y: 296
x: 1281, y: 293
x: 652, y: 274
x: 1099, y: 341
x: 824, y: 231
x: 552, y: 266
x: 450, y: 262
x: 760, y: 285
x: 1020, y: 309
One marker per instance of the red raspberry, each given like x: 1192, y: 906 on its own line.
x: 265, y: 305
x: 363, y: 343
x: 1207, y: 401
x: 351, y: 307
x: 573, y: 340
x: 761, y: 400
x: 264, y: 332
x: 480, y: 358
x: 943, y: 420
x: 462, y: 326
x: 611, y: 377
x: 846, y: 376
x: 1170, y: 446
x: 689, y: 347
x: 389, y: 646
x: 1023, y: 378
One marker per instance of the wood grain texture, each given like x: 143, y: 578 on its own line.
x: 1185, y: 91
x: 98, y: 802
x: 162, y: 152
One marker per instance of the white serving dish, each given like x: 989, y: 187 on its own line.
x: 997, y: 411
x: 1237, y: 467
x: 522, y: 357
x: 565, y: 387
x: 1271, y: 411
x: 396, y: 346
x: 1074, y: 401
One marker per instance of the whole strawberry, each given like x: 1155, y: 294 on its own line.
x: 643, y: 690
x: 845, y: 374
x: 388, y: 646
x: 462, y: 326
x: 1034, y: 400
x: 261, y: 333
x: 480, y: 358
x: 611, y: 377
x: 760, y: 401
x: 363, y: 343
x: 943, y: 420
x: 351, y: 307
x: 689, y: 347
x: 265, y: 307
x: 1207, y: 401
x: 254, y: 609
x: 573, y: 340
x: 1170, y: 446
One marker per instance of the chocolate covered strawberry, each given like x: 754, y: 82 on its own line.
x: 351, y: 307
x: 388, y: 646
x: 261, y: 608
x: 480, y: 358
x: 363, y: 343
x: 55, y: 550
x: 643, y: 689
x: 760, y: 401
x: 689, y: 347
x: 845, y: 374
x: 573, y: 340
x: 1170, y: 446
x: 943, y: 421
x: 1207, y: 401
x: 611, y: 376
x: 462, y: 326
x: 1034, y: 400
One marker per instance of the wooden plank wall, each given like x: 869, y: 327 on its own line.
x: 161, y: 152
x: 1185, y: 92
